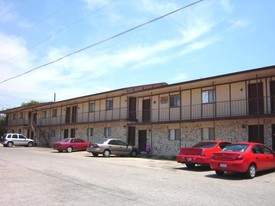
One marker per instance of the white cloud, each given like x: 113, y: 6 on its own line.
x: 179, y: 78
x: 84, y: 73
x: 227, y: 5
x: 6, y: 14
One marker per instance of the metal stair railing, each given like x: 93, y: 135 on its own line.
x: 34, y: 128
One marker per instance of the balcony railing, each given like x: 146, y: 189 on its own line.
x: 223, y: 109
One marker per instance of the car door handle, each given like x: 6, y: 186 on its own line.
x: 257, y: 158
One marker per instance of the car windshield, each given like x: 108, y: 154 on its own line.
x: 236, y: 148
x: 65, y: 140
x: 205, y: 144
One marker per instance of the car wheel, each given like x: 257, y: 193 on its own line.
x: 134, y: 153
x: 190, y: 165
x: 251, y: 172
x: 10, y: 144
x: 69, y: 149
x: 95, y: 154
x: 30, y: 144
x: 106, y: 153
x: 219, y: 172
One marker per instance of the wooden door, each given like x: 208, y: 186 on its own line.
x: 132, y: 108
x: 255, y: 98
x: 142, y: 140
x: 68, y: 114
x: 132, y: 136
x: 66, y: 133
x: 272, y: 96
x: 146, y: 110
x: 74, y: 114
x: 256, y: 133
x: 273, y: 137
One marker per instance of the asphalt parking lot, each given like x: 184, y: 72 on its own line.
x: 42, y: 176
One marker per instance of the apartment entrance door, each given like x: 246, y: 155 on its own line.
x: 142, y: 140
x: 66, y: 133
x: 273, y: 137
x: 132, y: 136
x: 272, y: 96
x: 132, y: 108
x: 146, y: 110
x: 256, y: 98
x: 256, y: 133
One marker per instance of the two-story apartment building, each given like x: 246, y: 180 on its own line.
x: 162, y: 118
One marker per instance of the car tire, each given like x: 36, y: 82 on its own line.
x: 134, y: 153
x: 10, y: 144
x: 219, y: 172
x: 69, y: 149
x: 95, y: 154
x: 190, y: 165
x: 106, y: 153
x: 251, y: 172
x: 30, y: 144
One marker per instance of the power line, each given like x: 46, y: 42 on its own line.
x: 102, y: 41
x: 56, y: 33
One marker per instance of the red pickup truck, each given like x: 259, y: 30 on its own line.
x: 200, y: 153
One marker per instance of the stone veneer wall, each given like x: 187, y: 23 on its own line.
x: 157, y: 135
x: 118, y: 131
x: 234, y: 131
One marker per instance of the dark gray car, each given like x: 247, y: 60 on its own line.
x: 106, y: 147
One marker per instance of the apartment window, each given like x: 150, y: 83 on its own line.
x: 44, y: 114
x: 109, y: 104
x: 21, y: 115
x: 14, y: 117
x: 175, y: 101
x: 54, y: 113
x: 90, y: 132
x: 208, y: 133
x: 107, y: 131
x: 174, y: 134
x: 92, y: 107
x: 208, y: 96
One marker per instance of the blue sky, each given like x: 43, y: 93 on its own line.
x: 210, y: 38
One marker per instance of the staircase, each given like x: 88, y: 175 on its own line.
x: 38, y: 133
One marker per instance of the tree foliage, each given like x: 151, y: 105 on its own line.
x: 32, y: 102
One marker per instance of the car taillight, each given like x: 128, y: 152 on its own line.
x: 239, y: 157
x: 95, y: 146
x: 202, y: 153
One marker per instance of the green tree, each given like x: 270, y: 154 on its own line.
x: 32, y: 102
x: 2, y: 124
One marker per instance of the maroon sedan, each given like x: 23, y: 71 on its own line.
x: 246, y: 157
x: 71, y: 144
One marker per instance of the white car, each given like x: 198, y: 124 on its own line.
x: 16, y: 139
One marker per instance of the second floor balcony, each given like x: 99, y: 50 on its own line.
x: 157, y: 114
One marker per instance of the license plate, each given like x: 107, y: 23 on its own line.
x: 223, y: 165
x: 189, y: 159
